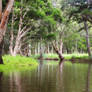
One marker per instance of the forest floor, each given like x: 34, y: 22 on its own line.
x: 18, y: 63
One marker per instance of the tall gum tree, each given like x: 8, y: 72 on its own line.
x: 4, y: 14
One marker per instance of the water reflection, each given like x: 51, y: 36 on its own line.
x: 59, y: 81
x: 88, y: 79
x: 49, y: 78
x: 15, y: 82
x: 1, y: 77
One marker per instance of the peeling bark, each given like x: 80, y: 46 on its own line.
x: 4, y: 19
x: 3, y: 23
x: 0, y: 9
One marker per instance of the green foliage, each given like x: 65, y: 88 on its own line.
x: 86, y: 12
x: 50, y: 23
x: 49, y: 20
x: 4, y: 2
x: 50, y: 37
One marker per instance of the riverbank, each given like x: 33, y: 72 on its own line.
x: 21, y: 63
x: 66, y: 56
x: 73, y: 58
x: 18, y: 63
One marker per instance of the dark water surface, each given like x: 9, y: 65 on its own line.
x: 49, y: 78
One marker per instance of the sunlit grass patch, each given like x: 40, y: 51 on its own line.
x: 75, y: 55
x: 18, y: 63
x: 51, y: 55
x: 66, y: 56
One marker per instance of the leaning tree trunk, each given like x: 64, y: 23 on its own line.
x: 59, y: 51
x: 87, y: 38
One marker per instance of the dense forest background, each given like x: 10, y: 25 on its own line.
x: 48, y: 26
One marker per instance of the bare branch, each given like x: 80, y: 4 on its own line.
x: 25, y: 14
x: 24, y: 33
x: 23, y: 29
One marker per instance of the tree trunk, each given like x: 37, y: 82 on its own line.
x: 48, y: 49
x: 1, y: 47
x: 38, y: 50
x: 0, y: 9
x: 17, y: 47
x: 11, y: 35
x: 29, y: 50
x: 59, y: 52
x: 61, y: 47
x: 52, y: 50
x: 41, y: 51
x: 11, y: 43
x: 3, y: 23
x: 87, y: 38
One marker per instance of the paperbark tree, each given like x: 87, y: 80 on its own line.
x: 58, y: 51
x: 87, y: 38
x: 23, y: 29
x: 3, y: 23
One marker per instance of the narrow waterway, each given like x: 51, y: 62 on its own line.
x: 46, y: 77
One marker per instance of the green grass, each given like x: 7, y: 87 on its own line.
x: 76, y: 55
x: 46, y: 56
x: 66, y: 56
x: 18, y: 63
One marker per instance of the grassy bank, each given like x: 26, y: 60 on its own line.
x: 76, y: 55
x: 66, y: 56
x: 18, y: 63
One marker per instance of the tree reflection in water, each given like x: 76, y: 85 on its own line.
x: 15, y: 79
x: 65, y: 77
x: 88, y: 79
x: 59, y: 79
x: 1, y: 76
